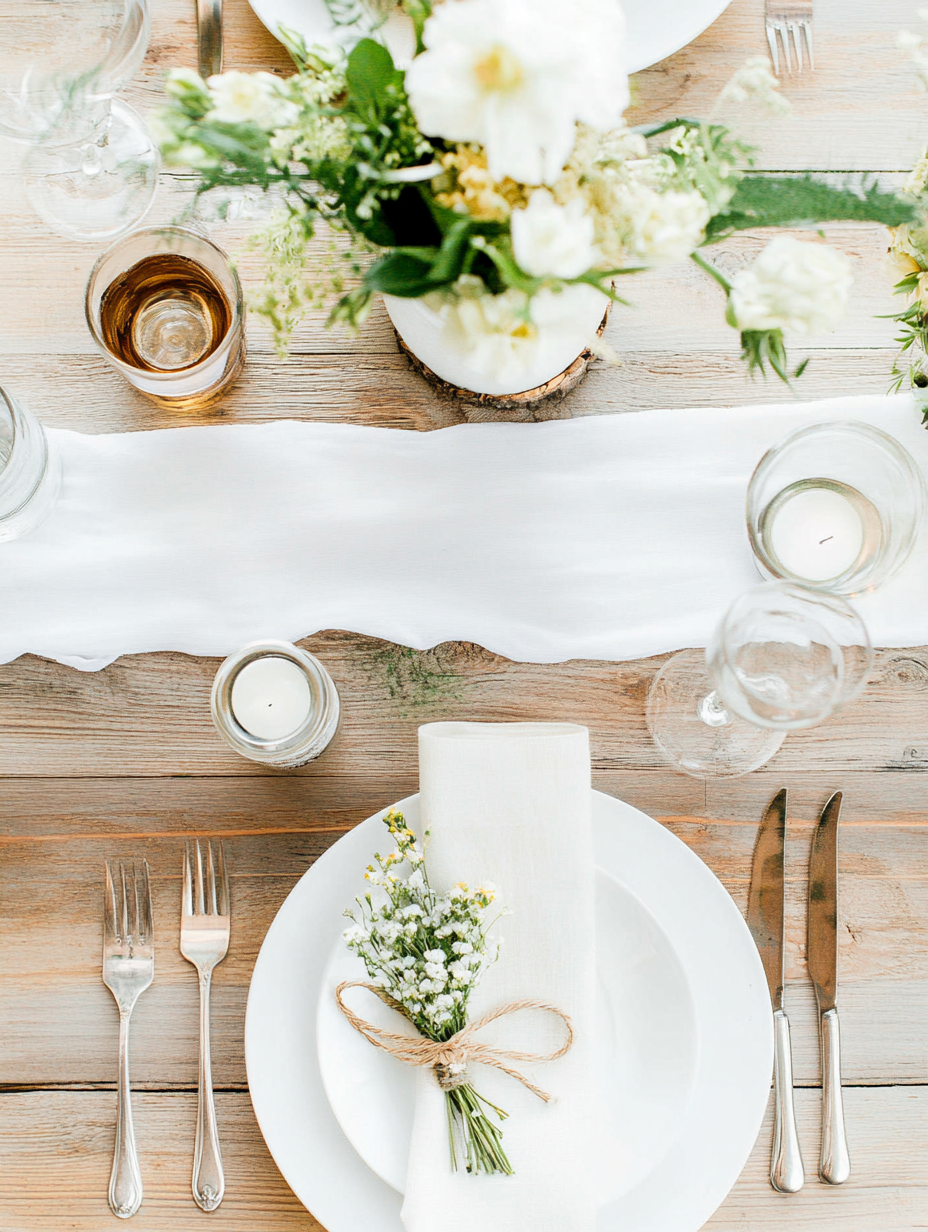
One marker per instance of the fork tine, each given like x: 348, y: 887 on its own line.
x: 784, y: 35
x: 122, y: 906
x: 774, y: 49
x: 109, y: 907
x: 199, y: 905
x: 807, y: 30
x: 211, y: 907
x: 146, y: 924
x: 224, y: 908
x: 793, y: 28
x: 135, y: 905
x: 186, y: 902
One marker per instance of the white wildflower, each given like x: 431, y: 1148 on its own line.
x: 755, y: 81
x: 517, y: 75
x: 256, y: 98
x: 434, y: 956
x: 662, y: 227
x: 792, y: 285
x: 553, y: 240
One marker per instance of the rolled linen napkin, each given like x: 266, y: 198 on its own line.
x: 509, y: 803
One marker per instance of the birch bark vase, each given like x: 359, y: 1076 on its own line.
x: 555, y: 360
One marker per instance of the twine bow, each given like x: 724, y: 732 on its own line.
x: 449, y: 1058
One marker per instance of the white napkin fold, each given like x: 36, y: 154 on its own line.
x: 610, y: 537
x: 510, y: 804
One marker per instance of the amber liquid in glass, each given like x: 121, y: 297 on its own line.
x: 165, y: 314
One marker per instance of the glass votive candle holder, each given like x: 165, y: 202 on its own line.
x: 837, y: 507
x: 275, y: 703
x: 165, y: 307
x: 30, y: 472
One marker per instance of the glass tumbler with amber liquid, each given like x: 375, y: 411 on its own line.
x: 165, y: 307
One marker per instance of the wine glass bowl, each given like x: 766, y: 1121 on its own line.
x: 782, y: 658
x: 836, y: 506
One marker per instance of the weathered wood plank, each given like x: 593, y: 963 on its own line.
x: 149, y: 714
x: 60, y: 1143
x: 59, y: 1022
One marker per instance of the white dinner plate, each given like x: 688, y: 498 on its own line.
x: 679, y: 977
x: 656, y: 28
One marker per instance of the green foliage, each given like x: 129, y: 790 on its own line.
x: 801, y: 200
x: 762, y: 347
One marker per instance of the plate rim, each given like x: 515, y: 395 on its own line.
x: 366, y: 1189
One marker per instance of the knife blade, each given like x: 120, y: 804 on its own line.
x: 766, y: 922
x: 822, y: 953
x: 209, y: 37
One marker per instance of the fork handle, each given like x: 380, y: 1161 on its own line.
x: 125, y: 1191
x: 209, y: 1183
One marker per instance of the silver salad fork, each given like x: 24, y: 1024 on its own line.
x: 128, y: 969
x: 204, y: 941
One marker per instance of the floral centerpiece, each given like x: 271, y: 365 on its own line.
x: 491, y: 189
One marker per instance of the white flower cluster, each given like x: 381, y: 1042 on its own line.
x: 792, y: 285
x: 517, y: 75
x: 427, y: 950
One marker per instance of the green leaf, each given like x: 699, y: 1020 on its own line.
x: 370, y: 75
x: 796, y: 201
x: 400, y: 273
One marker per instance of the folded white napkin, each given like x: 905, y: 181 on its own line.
x: 509, y: 803
x: 611, y: 537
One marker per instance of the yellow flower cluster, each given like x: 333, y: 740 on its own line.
x: 474, y: 191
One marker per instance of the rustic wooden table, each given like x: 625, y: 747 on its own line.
x: 125, y: 762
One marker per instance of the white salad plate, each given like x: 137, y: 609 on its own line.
x: 656, y: 28
x: 683, y: 1021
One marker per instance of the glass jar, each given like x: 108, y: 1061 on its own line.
x: 30, y: 472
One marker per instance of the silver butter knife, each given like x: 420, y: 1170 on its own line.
x: 209, y: 37
x: 765, y: 920
x: 822, y: 949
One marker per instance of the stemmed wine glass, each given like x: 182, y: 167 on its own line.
x: 783, y: 657
x: 92, y: 170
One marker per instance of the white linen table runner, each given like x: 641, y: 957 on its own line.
x: 609, y: 537
x: 510, y: 803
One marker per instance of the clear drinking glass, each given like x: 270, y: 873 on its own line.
x: 93, y: 169
x: 837, y: 506
x: 30, y: 472
x: 783, y: 657
x: 165, y: 306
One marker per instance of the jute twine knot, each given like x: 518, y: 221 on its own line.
x: 448, y: 1059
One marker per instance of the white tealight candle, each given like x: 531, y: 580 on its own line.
x: 816, y: 534
x: 271, y: 697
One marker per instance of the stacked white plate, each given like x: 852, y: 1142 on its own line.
x: 684, y: 1039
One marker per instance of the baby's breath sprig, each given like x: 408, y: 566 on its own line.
x: 427, y: 951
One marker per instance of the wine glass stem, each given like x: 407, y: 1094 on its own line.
x: 711, y: 711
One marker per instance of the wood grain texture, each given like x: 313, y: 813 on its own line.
x: 61, y: 1143
x: 125, y: 762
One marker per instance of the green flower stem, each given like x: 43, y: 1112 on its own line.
x: 712, y: 271
x: 483, y: 1141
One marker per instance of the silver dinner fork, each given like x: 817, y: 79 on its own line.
x: 128, y: 969
x: 785, y: 18
x: 204, y: 941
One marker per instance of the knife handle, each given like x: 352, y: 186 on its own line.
x: 786, y: 1170
x: 835, y: 1163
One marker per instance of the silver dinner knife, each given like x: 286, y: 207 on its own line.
x: 822, y: 948
x: 765, y: 920
x: 209, y: 37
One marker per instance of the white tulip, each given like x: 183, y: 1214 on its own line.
x: 256, y: 98
x: 551, y: 240
x: 517, y: 75
x: 792, y: 285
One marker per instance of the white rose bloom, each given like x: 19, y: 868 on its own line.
x: 663, y: 227
x: 517, y: 75
x: 792, y: 285
x: 240, y: 98
x: 553, y: 240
